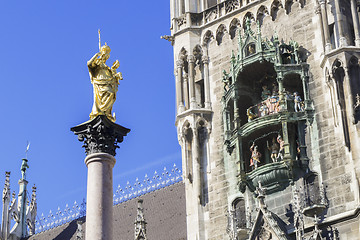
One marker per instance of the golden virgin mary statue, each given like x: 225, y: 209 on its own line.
x: 105, y: 81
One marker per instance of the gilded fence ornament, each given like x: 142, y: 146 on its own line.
x: 105, y: 81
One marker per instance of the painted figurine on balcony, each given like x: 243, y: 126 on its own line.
x: 263, y: 110
x: 265, y: 94
x: 255, y: 156
x: 281, y: 149
x: 275, y: 89
x: 274, y: 149
x: 298, y: 103
x: 250, y: 113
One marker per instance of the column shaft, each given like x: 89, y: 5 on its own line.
x: 339, y: 23
x: 99, y: 209
x: 325, y: 25
x: 186, y: 90
x: 348, y: 95
x: 355, y: 18
x: 191, y: 60
x: 179, y: 92
x: 236, y: 114
x: 205, y: 61
x: 318, y: 12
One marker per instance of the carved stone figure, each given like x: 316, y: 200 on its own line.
x: 105, y: 82
x: 255, y: 156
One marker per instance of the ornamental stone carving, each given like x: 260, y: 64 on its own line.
x: 100, y: 135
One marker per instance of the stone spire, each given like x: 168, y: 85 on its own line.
x: 298, y: 215
x: 23, y: 213
x: 260, y: 191
x: 140, y: 223
x: 6, y: 198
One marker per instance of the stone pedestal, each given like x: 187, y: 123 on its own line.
x: 100, y: 137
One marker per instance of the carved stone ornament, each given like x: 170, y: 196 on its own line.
x: 231, y: 6
x: 100, y: 135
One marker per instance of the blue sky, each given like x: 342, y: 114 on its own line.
x: 46, y: 90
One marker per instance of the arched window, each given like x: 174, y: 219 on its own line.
x: 240, y: 213
x: 354, y: 74
x: 275, y: 7
x: 188, y: 151
x: 261, y: 14
x: 339, y: 74
x: 234, y: 25
x: 204, y: 161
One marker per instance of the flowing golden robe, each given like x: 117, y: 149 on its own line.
x: 105, y: 83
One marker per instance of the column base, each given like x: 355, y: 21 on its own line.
x: 357, y: 42
x: 328, y: 47
x: 193, y: 104
x: 208, y: 105
x: 343, y: 42
x: 181, y: 108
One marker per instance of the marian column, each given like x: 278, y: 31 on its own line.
x: 101, y: 136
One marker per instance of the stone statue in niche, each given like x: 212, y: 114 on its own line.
x: 274, y: 149
x: 255, y: 156
x: 251, y: 49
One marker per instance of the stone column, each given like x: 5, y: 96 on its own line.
x: 305, y: 80
x: 325, y: 25
x: 181, y: 7
x: 282, y: 99
x: 99, y: 209
x: 205, y: 60
x: 318, y: 12
x: 339, y: 23
x: 100, y: 137
x: 355, y: 18
x: 179, y: 92
x: 191, y: 60
x: 5, y: 226
x: 237, y: 122
x: 186, y: 90
x: 287, y: 156
x: 348, y: 95
x: 196, y: 167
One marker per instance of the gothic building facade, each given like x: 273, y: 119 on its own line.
x: 268, y: 98
x: 268, y: 110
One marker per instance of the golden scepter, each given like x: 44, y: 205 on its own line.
x: 99, y: 40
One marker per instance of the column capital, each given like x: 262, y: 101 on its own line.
x: 191, y: 58
x: 205, y: 59
x: 179, y: 63
x: 321, y: 2
x: 100, y: 135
